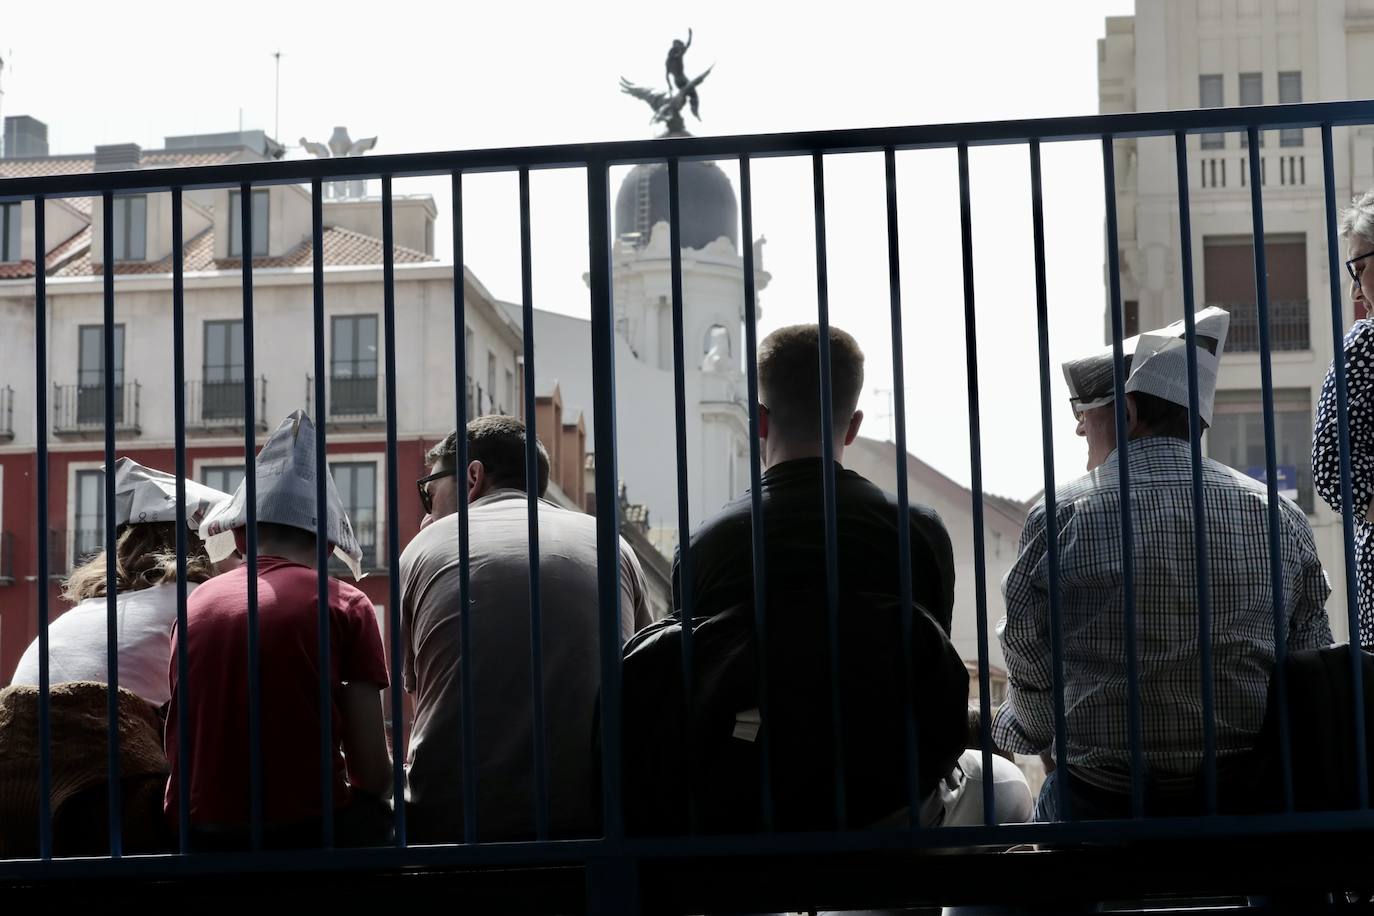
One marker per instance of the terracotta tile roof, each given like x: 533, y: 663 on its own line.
x: 57, y: 258
x: 45, y: 166
x: 342, y: 248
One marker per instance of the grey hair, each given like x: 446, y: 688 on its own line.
x: 1358, y: 218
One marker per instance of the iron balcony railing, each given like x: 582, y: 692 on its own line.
x: 6, y: 414
x: 619, y: 873
x: 1289, y: 326
x: 81, y: 410
x: 350, y: 401
x: 69, y: 548
x: 372, y: 540
x: 6, y: 558
x: 214, y: 406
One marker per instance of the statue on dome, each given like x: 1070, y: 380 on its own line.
x: 682, y: 91
x: 676, y: 75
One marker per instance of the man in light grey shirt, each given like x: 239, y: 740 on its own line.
x: 499, y: 629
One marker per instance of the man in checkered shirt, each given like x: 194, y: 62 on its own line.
x: 1166, y: 594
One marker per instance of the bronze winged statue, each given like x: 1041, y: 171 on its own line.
x: 667, y: 106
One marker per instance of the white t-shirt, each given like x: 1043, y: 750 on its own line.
x: 77, y: 643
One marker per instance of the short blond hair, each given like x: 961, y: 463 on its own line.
x: 790, y: 379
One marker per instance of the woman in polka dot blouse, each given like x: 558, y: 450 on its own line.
x: 1357, y: 228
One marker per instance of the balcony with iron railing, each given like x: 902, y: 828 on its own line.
x: 830, y: 862
x: 6, y: 414
x: 218, y: 406
x: 6, y: 558
x: 79, y: 410
x: 352, y: 401
x: 1290, y: 326
x: 69, y: 548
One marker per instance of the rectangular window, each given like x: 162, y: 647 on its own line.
x: 236, y: 224
x: 222, y: 385
x: 1228, y: 273
x: 90, y: 373
x: 223, y: 477
x: 467, y: 363
x: 1236, y: 438
x: 356, y: 482
x: 1210, y: 96
x: 353, y: 367
x: 508, y: 393
x: 11, y: 216
x: 1130, y: 313
x: 88, y: 532
x: 1290, y: 92
x: 131, y: 227
x: 1251, y: 93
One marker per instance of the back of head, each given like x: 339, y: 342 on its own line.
x: 285, y: 540
x: 789, y: 381
x: 145, y: 555
x: 1162, y: 418
x: 499, y: 443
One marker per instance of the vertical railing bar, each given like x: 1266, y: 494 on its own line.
x: 832, y: 548
x: 40, y: 427
x: 393, y: 534
x: 541, y: 762
x: 1133, y: 715
x: 1042, y: 322
x: 1204, y: 600
x: 1271, y: 471
x: 894, y: 274
x: 461, y: 471
x: 1352, y: 588
x: 975, y: 441
x: 250, y: 484
x: 111, y: 566
x: 756, y: 537
x: 684, y: 524
x: 183, y: 787
x: 324, y: 621
x: 607, y: 511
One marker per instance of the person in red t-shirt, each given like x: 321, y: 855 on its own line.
x: 216, y: 692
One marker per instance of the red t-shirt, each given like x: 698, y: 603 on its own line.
x: 217, y: 692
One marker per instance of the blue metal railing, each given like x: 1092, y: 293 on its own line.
x: 611, y: 859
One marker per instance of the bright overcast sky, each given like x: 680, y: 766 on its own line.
x: 449, y: 76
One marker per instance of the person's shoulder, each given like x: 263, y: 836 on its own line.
x: 857, y: 485
x: 1360, y: 335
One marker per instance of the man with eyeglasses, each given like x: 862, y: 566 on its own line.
x: 499, y: 656
x: 1091, y: 576
x: 1357, y: 228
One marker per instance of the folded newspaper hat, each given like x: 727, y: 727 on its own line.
x: 286, y: 496
x: 146, y: 495
x: 1156, y: 364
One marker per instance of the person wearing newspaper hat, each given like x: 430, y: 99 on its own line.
x: 145, y: 588
x: 1095, y: 687
x: 144, y: 606
x: 1357, y: 354
x: 216, y: 695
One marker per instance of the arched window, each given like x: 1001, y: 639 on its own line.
x: 717, y: 337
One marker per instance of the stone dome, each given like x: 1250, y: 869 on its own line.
x: 709, y: 208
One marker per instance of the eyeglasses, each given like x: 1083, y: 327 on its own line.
x: 426, y: 498
x: 1356, y: 271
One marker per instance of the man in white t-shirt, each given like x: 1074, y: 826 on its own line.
x: 494, y: 485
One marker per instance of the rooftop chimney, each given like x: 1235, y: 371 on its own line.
x: 25, y: 137
x: 118, y: 157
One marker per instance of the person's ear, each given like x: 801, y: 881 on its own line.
x: 477, y: 480
x: 853, y: 431
x: 1132, y: 418
x: 763, y: 422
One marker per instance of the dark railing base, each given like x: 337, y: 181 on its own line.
x: 1283, y: 875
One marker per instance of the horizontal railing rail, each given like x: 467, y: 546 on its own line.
x: 617, y: 865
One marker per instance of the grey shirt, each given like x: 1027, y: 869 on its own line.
x: 503, y: 726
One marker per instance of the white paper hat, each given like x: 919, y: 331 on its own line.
x: 146, y: 495
x: 286, y: 496
x: 1156, y: 364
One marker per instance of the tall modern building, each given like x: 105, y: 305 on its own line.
x: 1180, y: 54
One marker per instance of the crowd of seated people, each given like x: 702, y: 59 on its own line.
x: 870, y: 649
